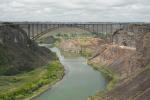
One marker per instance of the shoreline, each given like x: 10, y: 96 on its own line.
x: 31, y: 90
x: 47, y: 87
x: 110, y: 76
x: 44, y: 88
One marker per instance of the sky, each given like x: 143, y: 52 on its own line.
x: 75, y: 10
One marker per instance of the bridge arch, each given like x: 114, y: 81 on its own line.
x: 37, y: 29
x: 63, y: 26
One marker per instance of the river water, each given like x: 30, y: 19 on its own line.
x: 80, y: 81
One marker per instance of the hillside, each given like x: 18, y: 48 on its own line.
x: 84, y: 45
x: 18, y: 53
x: 26, y: 69
x: 132, y: 67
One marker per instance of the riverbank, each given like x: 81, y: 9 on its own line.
x: 109, y: 60
x: 111, y: 76
x: 130, y: 64
x: 29, y: 85
x: 89, y: 47
x: 77, y: 71
x: 126, y: 58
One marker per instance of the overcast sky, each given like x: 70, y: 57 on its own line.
x: 75, y: 10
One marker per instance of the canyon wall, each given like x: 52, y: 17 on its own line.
x: 123, y: 37
x: 18, y: 53
x: 131, y: 64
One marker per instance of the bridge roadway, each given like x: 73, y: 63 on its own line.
x: 36, y: 29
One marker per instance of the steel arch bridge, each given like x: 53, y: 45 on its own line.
x: 35, y: 30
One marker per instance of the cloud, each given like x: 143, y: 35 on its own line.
x: 75, y: 10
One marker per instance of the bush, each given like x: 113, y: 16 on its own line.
x: 54, y: 71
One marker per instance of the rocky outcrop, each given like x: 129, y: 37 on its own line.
x: 122, y: 37
x: 132, y: 65
x: 137, y: 85
x: 18, y: 53
x: 77, y: 45
x: 136, y: 89
x: 143, y: 49
x: 114, y: 57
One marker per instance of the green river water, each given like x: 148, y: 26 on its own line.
x: 80, y: 81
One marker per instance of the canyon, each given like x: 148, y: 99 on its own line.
x: 124, y: 60
x: 127, y: 58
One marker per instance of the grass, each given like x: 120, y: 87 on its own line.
x: 111, y: 76
x: 26, y: 85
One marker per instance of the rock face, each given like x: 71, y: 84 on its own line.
x: 122, y: 37
x: 76, y: 45
x: 18, y: 53
x: 136, y: 89
x: 133, y: 65
x: 138, y: 85
x: 117, y: 58
x: 143, y: 49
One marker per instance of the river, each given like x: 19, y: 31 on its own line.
x: 80, y: 81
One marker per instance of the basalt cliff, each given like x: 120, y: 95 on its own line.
x: 129, y: 57
x: 18, y: 53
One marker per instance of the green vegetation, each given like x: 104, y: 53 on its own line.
x: 73, y: 35
x: 109, y: 74
x: 101, y: 95
x: 4, y: 59
x: 25, y: 85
